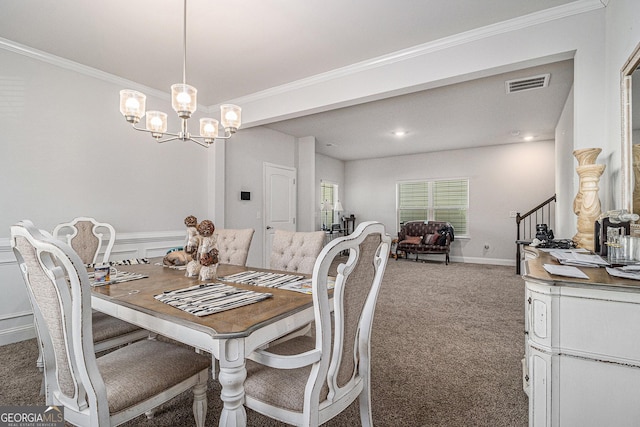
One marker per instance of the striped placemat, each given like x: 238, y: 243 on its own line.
x: 264, y: 278
x: 289, y: 282
x: 119, y: 277
x: 210, y: 298
x: 132, y: 261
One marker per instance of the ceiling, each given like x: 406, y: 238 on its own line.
x: 236, y: 48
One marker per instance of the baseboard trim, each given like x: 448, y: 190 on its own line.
x: 465, y: 260
x: 489, y: 261
x: 17, y: 334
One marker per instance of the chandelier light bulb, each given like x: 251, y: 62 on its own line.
x: 132, y: 105
x: 183, y: 99
x: 156, y: 123
x: 230, y: 116
x: 208, y: 129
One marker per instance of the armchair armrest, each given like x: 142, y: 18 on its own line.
x: 285, y: 362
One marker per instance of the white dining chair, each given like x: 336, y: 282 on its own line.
x: 233, y: 245
x: 307, y: 380
x: 296, y: 251
x: 106, y: 390
x: 88, y: 238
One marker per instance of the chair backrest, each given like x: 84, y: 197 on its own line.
x: 87, y: 237
x: 345, y: 361
x: 296, y: 251
x: 233, y: 245
x: 59, y: 290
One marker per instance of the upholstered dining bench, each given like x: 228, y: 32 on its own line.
x: 425, y: 237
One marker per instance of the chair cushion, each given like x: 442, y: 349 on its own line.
x: 412, y: 240
x: 145, y: 368
x: 106, y: 327
x: 265, y: 384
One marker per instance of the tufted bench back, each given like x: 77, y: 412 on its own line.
x: 233, y: 245
x: 421, y: 228
x: 296, y: 251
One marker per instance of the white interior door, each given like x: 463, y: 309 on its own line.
x: 279, y: 205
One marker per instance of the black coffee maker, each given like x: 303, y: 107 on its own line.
x: 543, y: 233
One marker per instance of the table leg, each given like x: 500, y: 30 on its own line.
x: 231, y: 376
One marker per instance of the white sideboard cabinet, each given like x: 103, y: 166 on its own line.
x: 582, y: 347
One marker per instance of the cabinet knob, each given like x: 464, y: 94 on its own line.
x: 529, y: 300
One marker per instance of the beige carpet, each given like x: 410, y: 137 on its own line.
x: 447, y: 344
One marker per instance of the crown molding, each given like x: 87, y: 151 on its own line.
x: 11, y: 46
x: 536, y: 18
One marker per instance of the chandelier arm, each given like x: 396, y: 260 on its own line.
x: 177, y: 135
x: 203, y: 144
x: 173, y: 138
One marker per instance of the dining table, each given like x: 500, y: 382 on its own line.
x: 229, y: 336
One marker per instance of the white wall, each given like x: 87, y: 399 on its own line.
x: 306, y: 165
x: 501, y: 179
x: 566, y: 220
x: 332, y: 170
x: 246, y: 153
x: 67, y: 151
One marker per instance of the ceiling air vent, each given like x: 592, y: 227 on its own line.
x: 527, y: 83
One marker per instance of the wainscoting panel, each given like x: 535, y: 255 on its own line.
x: 16, y: 318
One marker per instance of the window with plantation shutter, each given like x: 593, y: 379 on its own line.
x: 437, y: 200
x: 413, y: 201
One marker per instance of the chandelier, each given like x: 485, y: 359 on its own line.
x: 184, y: 102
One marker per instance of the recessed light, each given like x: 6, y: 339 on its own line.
x: 399, y: 132
x: 528, y: 138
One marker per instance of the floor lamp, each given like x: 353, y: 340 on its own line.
x: 324, y: 207
x: 338, y: 208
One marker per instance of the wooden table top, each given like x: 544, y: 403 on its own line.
x: 598, y: 277
x: 241, y: 321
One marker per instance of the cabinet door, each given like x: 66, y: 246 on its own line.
x: 538, y: 311
x: 539, y: 388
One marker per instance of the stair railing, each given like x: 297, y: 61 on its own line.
x: 544, y: 213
